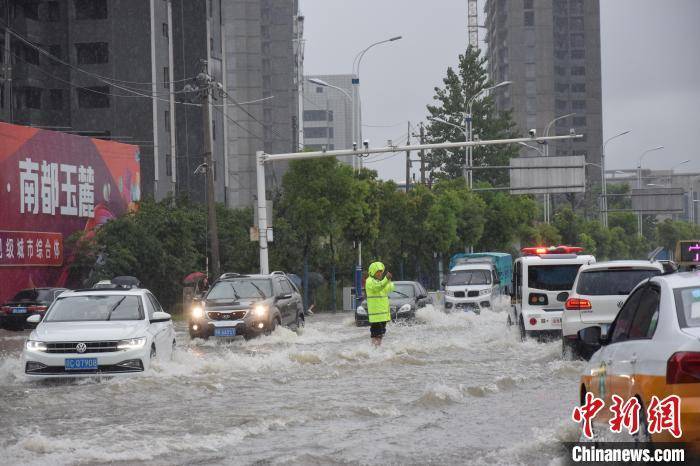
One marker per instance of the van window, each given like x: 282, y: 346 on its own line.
x: 612, y: 281
x: 552, y: 277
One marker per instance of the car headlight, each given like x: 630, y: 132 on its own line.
x: 405, y: 308
x: 132, y: 343
x: 260, y: 311
x: 484, y: 292
x: 449, y: 293
x: 35, y: 345
x: 197, y: 312
x: 361, y: 310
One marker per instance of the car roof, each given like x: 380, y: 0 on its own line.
x: 680, y: 279
x: 553, y: 260
x: 254, y: 275
x: 637, y: 264
x: 473, y: 265
x: 105, y: 292
x: 405, y: 282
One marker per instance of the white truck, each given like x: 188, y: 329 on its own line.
x: 543, y: 278
x: 472, y: 286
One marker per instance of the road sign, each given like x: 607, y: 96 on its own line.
x: 657, y: 200
x: 548, y: 175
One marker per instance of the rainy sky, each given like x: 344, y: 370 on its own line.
x: 650, y: 70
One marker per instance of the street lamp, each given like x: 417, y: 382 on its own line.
x: 670, y: 176
x: 356, y: 88
x: 539, y: 151
x: 603, y: 184
x: 639, y: 184
x: 547, y: 198
x: 468, y: 162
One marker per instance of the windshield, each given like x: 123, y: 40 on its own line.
x: 95, y: 308
x: 34, y: 295
x: 552, y: 277
x: 688, y: 306
x: 402, y: 291
x: 469, y: 277
x: 240, y: 289
x: 612, y: 282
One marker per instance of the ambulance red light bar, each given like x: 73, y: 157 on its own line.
x: 541, y: 250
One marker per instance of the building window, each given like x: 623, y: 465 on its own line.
x: 317, y: 115
x: 576, y: 7
x: 54, y: 50
x: 93, y: 97
x: 560, y: 71
x: 578, y: 71
x: 56, y: 99
x: 319, y: 90
x: 560, y: 105
x: 316, y: 132
x: 577, y: 41
x: 166, y: 77
x: 561, y: 87
x: 530, y: 88
x: 31, y: 10
x: 528, y: 4
x: 579, y: 121
x: 578, y: 54
x: 90, y: 9
x: 578, y: 87
x: 576, y: 24
x: 167, y: 121
x: 529, y: 18
x: 29, y: 97
x: 561, y: 41
x: 580, y: 152
x: 165, y: 30
x: 92, y: 53
x: 53, y: 11
x: 561, y: 54
x: 168, y: 165
x: 578, y: 105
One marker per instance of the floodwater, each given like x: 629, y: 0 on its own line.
x: 449, y: 389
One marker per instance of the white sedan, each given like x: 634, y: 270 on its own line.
x: 99, y: 331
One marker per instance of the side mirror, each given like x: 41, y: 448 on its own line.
x: 422, y: 296
x: 283, y: 296
x: 160, y: 317
x: 563, y: 296
x: 592, y: 337
x: 34, y: 319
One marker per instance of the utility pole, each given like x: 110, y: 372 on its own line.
x: 422, y: 154
x: 205, y: 85
x: 408, y: 158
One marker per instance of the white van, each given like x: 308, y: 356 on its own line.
x: 542, y: 281
x: 471, y: 286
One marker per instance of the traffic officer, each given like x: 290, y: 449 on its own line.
x: 378, y: 287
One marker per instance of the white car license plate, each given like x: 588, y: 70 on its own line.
x: 225, y: 332
x: 19, y: 310
x: 556, y: 320
x: 81, y: 364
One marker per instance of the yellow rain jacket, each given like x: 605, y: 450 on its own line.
x: 378, y: 295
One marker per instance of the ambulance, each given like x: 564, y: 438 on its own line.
x: 543, y: 278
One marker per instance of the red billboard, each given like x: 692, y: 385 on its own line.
x: 51, y: 185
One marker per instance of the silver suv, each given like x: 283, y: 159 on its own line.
x: 599, y: 292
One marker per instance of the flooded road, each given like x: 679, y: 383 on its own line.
x: 450, y: 389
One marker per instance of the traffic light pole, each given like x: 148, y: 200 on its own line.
x: 261, y: 158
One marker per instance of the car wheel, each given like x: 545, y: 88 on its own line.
x: 301, y: 321
x: 153, y: 352
x: 273, y: 326
x: 172, y: 350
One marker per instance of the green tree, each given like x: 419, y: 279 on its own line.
x: 459, y: 86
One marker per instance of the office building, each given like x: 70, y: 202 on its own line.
x: 264, y: 52
x: 328, y: 113
x: 550, y: 50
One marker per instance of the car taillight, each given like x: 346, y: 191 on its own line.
x: 37, y: 308
x: 577, y: 304
x: 538, y: 299
x: 683, y: 367
x: 533, y: 321
x: 5, y: 309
